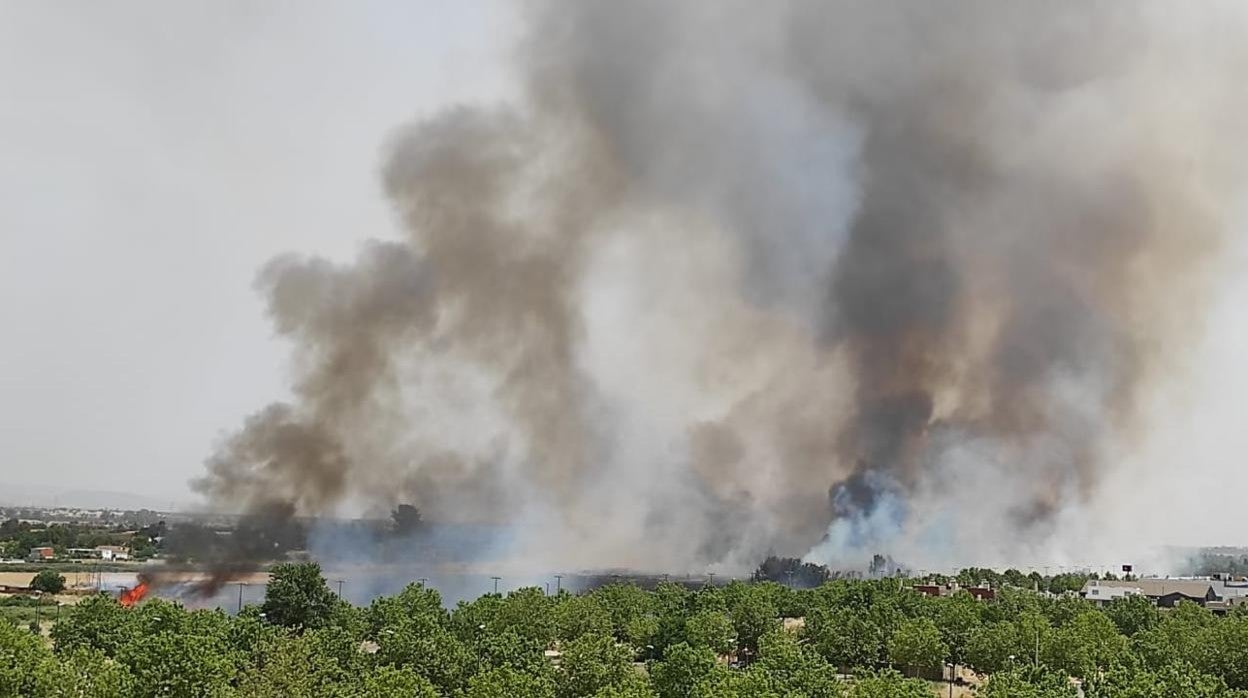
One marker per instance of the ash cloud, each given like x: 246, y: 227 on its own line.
x: 804, y: 278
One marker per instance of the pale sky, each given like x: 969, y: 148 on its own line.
x: 153, y: 156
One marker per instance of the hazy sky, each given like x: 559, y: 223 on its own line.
x: 153, y: 156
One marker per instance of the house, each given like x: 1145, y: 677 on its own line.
x: 41, y: 553
x: 113, y: 552
x: 1164, y: 592
x: 1102, y: 593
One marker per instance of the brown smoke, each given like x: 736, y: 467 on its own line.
x: 729, y: 275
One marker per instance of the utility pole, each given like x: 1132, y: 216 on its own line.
x: 711, y: 577
x: 496, y: 583
x: 340, y: 588
x: 423, y: 581
x: 558, y: 583
x: 240, y: 596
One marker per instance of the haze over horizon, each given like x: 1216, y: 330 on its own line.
x: 157, y: 158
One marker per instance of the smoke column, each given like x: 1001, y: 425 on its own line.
x: 810, y: 278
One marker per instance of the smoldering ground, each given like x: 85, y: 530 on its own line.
x: 805, y: 278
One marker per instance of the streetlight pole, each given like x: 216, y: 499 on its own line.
x: 496, y: 583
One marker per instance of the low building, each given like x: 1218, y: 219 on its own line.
x: 41, y: 553
x: 1164, y: 592
x: 1102, y: 593
x: 113, y: 552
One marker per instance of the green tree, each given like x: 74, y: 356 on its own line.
x: 1087, y: 644
x: 176, y: 664
x: 321, y: 662
x: 794, y: 670
x: 1176, y: 680
x: 711, y: 630
x: 527, y: 613
x: 753, y: 617
x: 917, y: 645
x: 1226, y: 651
x: 82, y: 673
x: 414, y: 601
x: 21, y: 656
x: 624, y: 602
x: 97, y: 622
x: 430, y: 650
x: 751, y: 682
x: 991, y: 646
x: 958, y: 617
x: 505, y: 682
x: 390, y: 682
x: 846, y: 638
x: 594, y: 662
x: 888, y: 684
x: 642, y: 634
x: 683, y: 667
x: 1133, y: 614
x: 580, y: 615
x: 297, y: 596
x: 1029, y: 682
x: 48, y: 581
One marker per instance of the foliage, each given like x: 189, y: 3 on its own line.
x: 297, y: 596
x: 917, y: 644
x: 304, y: 642
x: 1133, y: 614
x: 682, y: 669
x: 505, y: 682
x: 48, y: 581
x: 710, y: 630
x: 592, y: 663
x: 889, y: 684
x: 97, y: 622
x: 1029, y: 682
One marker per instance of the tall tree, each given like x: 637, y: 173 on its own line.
x: 297, y: 596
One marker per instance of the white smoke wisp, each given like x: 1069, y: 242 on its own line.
x: 802, y: 277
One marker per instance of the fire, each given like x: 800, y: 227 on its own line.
x: 130, y: 597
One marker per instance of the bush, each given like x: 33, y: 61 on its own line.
x: 49, y: 582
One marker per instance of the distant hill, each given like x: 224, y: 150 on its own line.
x: 18, y: 494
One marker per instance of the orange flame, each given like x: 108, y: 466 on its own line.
x: 130, y: 597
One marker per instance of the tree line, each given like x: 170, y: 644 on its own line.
x: 855, y: 639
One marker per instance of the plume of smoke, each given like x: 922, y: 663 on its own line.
x: 742, y: 278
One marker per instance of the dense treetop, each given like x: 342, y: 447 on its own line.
x: 855, y: 639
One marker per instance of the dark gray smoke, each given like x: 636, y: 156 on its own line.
x: 745, y: 278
